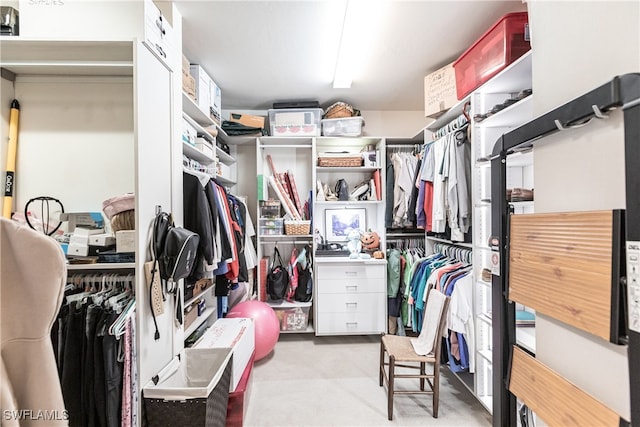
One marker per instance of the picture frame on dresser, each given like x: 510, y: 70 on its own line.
x: 338, y: 222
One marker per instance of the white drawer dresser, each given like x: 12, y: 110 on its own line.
x: 350, y: 296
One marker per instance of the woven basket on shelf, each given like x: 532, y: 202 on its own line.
x: 350, y: 161
x: 297, y: 227
x: 124, y: 221
x: 339, y: 110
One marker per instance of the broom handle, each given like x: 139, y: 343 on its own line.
x: 11, y: 159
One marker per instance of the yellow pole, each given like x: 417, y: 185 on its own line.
x: 11, y: 159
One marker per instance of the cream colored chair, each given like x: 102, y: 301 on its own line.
x: 416, y: 353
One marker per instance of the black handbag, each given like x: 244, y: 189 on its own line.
x: 174, y: 248
x: 342, y: 190
x: 304, y: 291
x: 277, y: 278
x: 174, y: 251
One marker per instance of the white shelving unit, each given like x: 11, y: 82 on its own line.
x: 507, y: 84
x: 203, y: 124
x: 294, y: 155
x: 351, y: 296
x: 112, y: 110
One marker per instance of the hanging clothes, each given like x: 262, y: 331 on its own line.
x: 91, y: 355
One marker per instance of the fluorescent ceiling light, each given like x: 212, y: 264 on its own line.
x: 360, y: 17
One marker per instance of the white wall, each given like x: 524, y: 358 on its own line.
x: 579, y: 45
x: 75, y: 140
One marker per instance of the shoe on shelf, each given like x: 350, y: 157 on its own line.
x: 521, y: 195
x: 486, y: 275
x: 523, y: 94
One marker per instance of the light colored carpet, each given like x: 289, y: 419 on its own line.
x: 333, y: 381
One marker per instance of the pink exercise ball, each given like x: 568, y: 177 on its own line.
x: 265, y: 322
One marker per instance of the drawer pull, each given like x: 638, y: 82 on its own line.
x: 351, y: 273
x: 352, y: 324
x: 355, y: 304
x: 351, y: 287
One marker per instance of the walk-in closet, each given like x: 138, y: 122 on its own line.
x: 267, y: 213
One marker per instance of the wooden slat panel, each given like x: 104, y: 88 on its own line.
x: 560, y: 265
x: 554, y: 399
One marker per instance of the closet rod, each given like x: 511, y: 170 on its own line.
x: 406, y: 235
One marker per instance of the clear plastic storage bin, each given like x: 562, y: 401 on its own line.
x: 347, y: 126
x: 295, y: 121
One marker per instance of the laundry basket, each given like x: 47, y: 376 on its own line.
x: 192, y: 391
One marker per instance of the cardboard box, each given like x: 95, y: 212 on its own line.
x: 235, y: 333
x: 102, y: 239
x: 125, y: 241
x: 189, y: 85
x: 440, y: 91
x: 76, y: 249
x: 208, y: 94
x: 185, y: 65
x: 247, y: 120
x: 191, y: 314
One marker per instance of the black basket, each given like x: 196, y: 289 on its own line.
x: 199, y: 412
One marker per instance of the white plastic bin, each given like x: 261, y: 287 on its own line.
x: 347, y: 126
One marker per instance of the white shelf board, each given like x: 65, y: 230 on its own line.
x: 193, y: 110
x: 520, y: 159
x: 449, y: 242
x: 267, y: 141
x: 202, y: 118
x: 223, y: 180
x: 288, y: 304
x: 483, y: 283
x: 273, y: 237
x: 199, y: 321
x: 512, y: 79
x: 195, y: 154
x: 448, y: 116
x: 339, y: 203
x: 526, y: 337
x: 512, y: 116
x: 224, y: 157
x: 347, y: 260
x: 309, y: 330
x: 200, y: 295
x: 103, y: 266
x: 28, y: 56
x: 486, y: 354
x: 487, y: 402
x: 199, y: 129
x: 321, y: 169
x: 486, y: 319
x: 522, y: 204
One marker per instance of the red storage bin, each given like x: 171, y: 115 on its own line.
x: 495, y: 50
x: 239, y: 399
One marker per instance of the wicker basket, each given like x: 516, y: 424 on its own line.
x: 297, y: 227
x: 344, y: 162
x: 124, y: 221
x: 339, y: 110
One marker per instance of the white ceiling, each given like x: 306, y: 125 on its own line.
x: 260, y: 52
